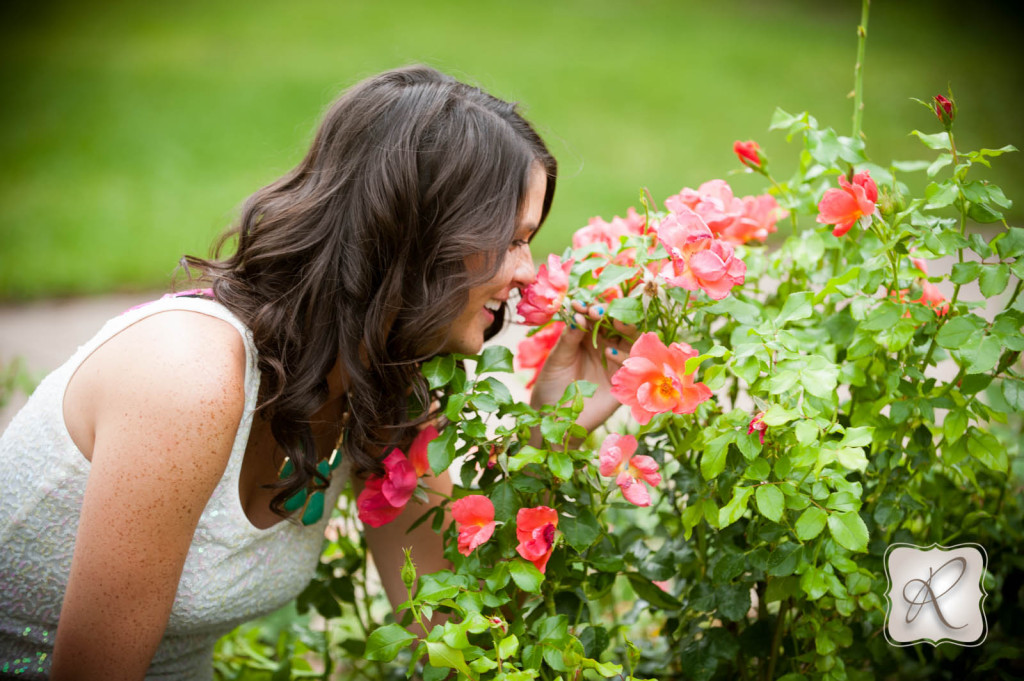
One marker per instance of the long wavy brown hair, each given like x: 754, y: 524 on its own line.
x: 359, y: 254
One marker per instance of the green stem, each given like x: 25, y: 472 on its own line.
x: 858, y: 70
x: 777, y: 639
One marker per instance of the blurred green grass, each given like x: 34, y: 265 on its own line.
x: 131, y: 132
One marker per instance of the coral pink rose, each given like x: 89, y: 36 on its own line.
x: 630, y: 472
x: 748, y: 153
x: 384, y: 497
x: 930, y: 297
x: 535, y: 530
x: 474, y: 520
x: 543, y: 298
x: 933, y: 298
x: 418, y: 449
x: 760, y: 213
x: 845, y: 206
x: 697, y: 259
x: 653, y: 379
x: 713, y: 201
x: 533, y: 351
x: 609, y: 233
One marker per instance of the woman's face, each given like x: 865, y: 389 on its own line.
x: 467, y: 332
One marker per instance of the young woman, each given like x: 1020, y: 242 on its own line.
x: 173, y: 478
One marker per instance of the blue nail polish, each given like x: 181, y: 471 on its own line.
x: 572, y: 325
x: 600, y: 310
x: 614, y: 351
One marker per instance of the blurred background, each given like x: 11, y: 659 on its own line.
x: 131, y: 132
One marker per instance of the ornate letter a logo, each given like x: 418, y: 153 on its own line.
x: 935, y: 594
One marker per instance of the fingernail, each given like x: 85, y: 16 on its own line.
x: 614, y: 351
x: 600, y: 310
x: 572, y: 325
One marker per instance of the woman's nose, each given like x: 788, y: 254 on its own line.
x: 524, y: 273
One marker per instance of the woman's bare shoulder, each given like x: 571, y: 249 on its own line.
x: 171, y: 364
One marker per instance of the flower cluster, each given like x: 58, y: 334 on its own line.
x: 535, y: 528
x: 384, y: 496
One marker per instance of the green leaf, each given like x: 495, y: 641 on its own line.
x: 736, y: 507
x: 443, y: 655
x: 524, y: 457
x: 940, y: 194
x: 627, y: 310
x: 508, y: 646
x: 810, y: 523
x: 982, y: 357
x: 770, y: 502
x: 439, y: 370
x: 733, y: 601
x: 849, y: 530
x: 806, y: 432
x: 956, y: 331
x: 987, y: 450
x: 1012, y: 243
x: 819, y: 376
x: 955, y: 424
x: 939, y: 140
x: 505, y: 500
x: 385, y: 642
x: 994, y: 279
x: 882, y: 317
x: 835, y: 282
x: 712, y: 461
x: 852, y: 458
x: 788, y: 122
x: 495, y: 358
x: 560, y: 465
x: 965, y: 272
x: 857, y: 437
x: 797, y: 306
x: 649, y: 591
x: 814, y: 583
x: 525, y: 575
x: 553, y: 429
x: 784, y: 560
x: 441, y: 450
x: 941, y: 162
x: 778, y: 415
x: 582, y: 531
x: 1013, y: 393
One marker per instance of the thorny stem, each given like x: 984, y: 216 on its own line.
x: 858, y: 70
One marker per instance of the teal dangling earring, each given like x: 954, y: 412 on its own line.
x: 310, y: 501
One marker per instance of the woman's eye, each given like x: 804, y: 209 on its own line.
x: 519, y: 243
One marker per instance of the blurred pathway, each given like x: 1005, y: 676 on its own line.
x: 45, y: 334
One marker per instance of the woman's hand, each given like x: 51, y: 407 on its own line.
x: 575, y: 358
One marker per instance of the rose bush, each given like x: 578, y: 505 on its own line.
x: 790, y: 410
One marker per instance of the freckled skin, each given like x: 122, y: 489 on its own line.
x: 156, y: 453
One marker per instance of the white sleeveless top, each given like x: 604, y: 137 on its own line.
x: 233, y: 572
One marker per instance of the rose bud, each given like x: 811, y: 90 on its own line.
x: 945, y: 109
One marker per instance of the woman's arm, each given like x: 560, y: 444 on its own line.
x: 156, y: 409
x: 387, y: 543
